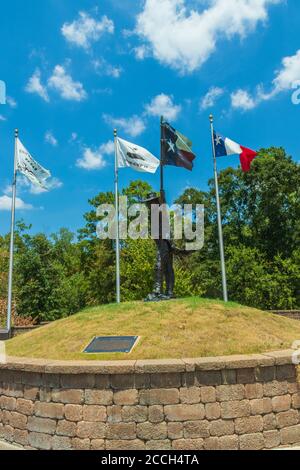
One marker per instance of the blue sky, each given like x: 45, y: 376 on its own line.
x: 75, y: 69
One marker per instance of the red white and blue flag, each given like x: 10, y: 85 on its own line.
x: 225, y: 146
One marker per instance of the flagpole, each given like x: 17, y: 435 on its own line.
x: 221, y: 242
x: 12, y: 238
x: 162, y: 191
x: 118, y: 293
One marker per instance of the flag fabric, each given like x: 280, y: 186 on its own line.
x: 225, y: 146
x: 30, y: 168
x: 177, y: 149
x: 136, y: 157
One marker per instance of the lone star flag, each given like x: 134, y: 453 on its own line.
x: 176, y: 148
x: 30, y: 168
x: 225, y: 146
x: 133, y: 156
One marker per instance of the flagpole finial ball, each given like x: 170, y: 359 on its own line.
x: 115, y: 132
x: 16, y: 132
x: 211, y: 118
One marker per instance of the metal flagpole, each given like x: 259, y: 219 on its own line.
x: 12, y: 238
x: 117, y: 221
x: 162, y: 191
x: 221, y: 243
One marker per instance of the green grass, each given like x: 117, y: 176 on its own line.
x: 190, y: 327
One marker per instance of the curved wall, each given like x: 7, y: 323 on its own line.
x: 235, y: 402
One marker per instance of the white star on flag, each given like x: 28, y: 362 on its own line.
x: 171, y: 146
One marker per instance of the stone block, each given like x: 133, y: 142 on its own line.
x: 188, y: 444
x: 261, y: 406
x: 249, y: 425
x: 254, y: 391
x: 61, y: 443
x: 150, y: 431
x: 212, y: 411
x: 97, y: 444
x: 165, y: 380
x: 230, y: 392
x: 222, y: 428
x: 66, y: 428
x: 175, y: 430
x: 86, y: 430
x: 98, y: 397
x: 252, y: 441
x: 49, y: 410
x: 121, y: 431
x: 235, y: 409
x: 281, y: 403
x: 229, y: 442
x: 159, y: 445
x: 208, y: 395
x: 73, y: 412
x: 24, y: 406
x: 72, y: 396
x: 184, y: 412
x: 290, y: 435
x: 287, y: 418
x: 272, y: 439
x: 190, y: 395
x: 156, y: 413
x: 126, y: 397
x: 196, y: 429
x: 40, y: 441
x: 94, y: 413
x: 159, y: 396
x: 42, y: 425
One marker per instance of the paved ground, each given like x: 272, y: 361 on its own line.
x: 5, y: 446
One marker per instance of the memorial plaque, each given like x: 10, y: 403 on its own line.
x: 110, y: 344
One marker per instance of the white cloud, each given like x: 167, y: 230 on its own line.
x: 209, y: 100
x: 102, y: 67
x: 108, y: 148
x: 286, y: 78
x: 141, y: 52
x: 132, y: 126
x: 86, y: 30
x: 184, y: 38
x: 73, y: 137
x: 64, y: 84
x: 162, y: 105
x: 35, y: 85
x: 50, y: 139
x: 5, y: 204
x: 51, y: 184
x: 95, y: 159
x: 241, y: 99
x: 25, y: 186
x: 11, y: 102
x: 91, y: 160
x: 288, y: 74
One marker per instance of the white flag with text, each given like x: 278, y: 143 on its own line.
x: 30, y: 168
x: 133, y: 156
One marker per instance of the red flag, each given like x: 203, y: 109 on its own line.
x: 246, y: 158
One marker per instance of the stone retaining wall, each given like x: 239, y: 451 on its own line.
x: 237, y: 402
x: 292, y: 314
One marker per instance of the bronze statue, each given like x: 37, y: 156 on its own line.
x: 164, y: 270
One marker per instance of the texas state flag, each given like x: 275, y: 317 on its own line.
x: 225, y: 146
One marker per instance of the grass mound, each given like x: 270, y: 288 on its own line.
x: 190, y: 327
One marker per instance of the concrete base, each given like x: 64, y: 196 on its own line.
x: 4, y: 334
